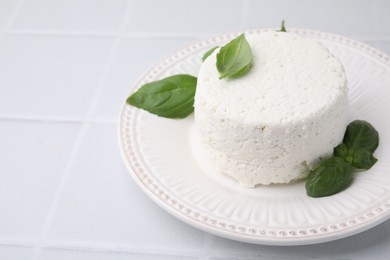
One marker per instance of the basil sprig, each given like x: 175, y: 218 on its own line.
x: 235, y: 58
x: 356, y: 152
x: 172, y: 97
x: 282, y: 27
x: 361, y: 135
x: 359, y: 143
x: 359, y: 158
x: 331, y: 176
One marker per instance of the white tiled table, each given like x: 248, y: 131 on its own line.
x: 65, y: 70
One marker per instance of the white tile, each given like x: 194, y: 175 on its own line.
x: 134, y: 57
x: 182, y: 17
x: 15, y: 252
x: 341, y: 17
x: 382, y: 19
x: 374, y: 242
x: 63, y: 254
x: 33, y: 159
x: 6, y: 9
x: 102, y: 206
x: 71, y: 15
x: 50, y: 76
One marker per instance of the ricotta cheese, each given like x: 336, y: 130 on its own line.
x: 273, y: 124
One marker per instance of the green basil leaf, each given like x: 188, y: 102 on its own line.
x: 282, y: 27
x: 361, y: 159
x: 209, y: 52
x: 331, y: 176
x: 235, y: 58
x: 172, y: 97
x: 361, y: 135
x: 340, y: 151
x: 358, y: 158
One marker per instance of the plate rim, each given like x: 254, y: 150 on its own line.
x: 240, y: 233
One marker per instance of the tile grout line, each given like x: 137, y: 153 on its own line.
x: 16, y: 242
x: 11, y: 19
x: 50, y: 215
x: 108, y: 34
x: 59, y: 33
x: 51, y: 119
x: 160, y: 34
x: 110, y: 248
x: 114, y: 248
x: 110, y: 61
x: 13, y: 15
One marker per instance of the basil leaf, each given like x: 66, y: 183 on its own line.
x: 235, y: 58
x: 209, y: 52
x: 340, y: 151
x: 361, y: 159
x: 358, y: 158
x: 331, y: 176
x: 361, y: 135
x: 282, y: 27
x: 172, y: 97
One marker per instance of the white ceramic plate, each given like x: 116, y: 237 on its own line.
x: 166, y: 161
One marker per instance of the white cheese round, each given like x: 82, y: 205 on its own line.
x: 273, y: 124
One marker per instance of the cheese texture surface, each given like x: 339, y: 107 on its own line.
x: 273, y: 124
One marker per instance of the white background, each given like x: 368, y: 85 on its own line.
x: 66, y: 68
